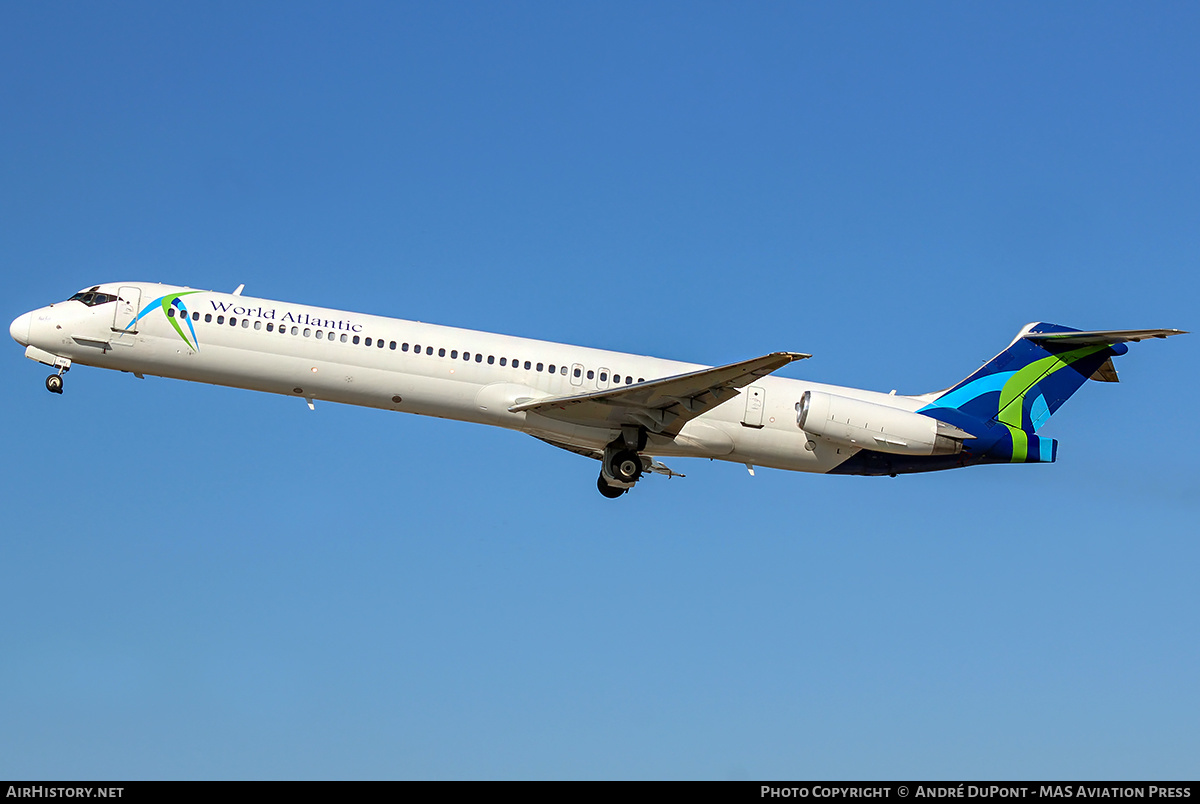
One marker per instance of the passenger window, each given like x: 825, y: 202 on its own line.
x: 270, y: 327
x: 454, y: 354
x: 591, y: 375
x: 344, y: 337
x: 392, y: 345
x: 628, y: 380
x: 307, y: 332
x: 603, y: 377
x: 220, y: 319
x: 492, y: 359
x: 379, y: 343
x: 478, y: 357
x: 429, y: 350
x: 320, y: 335
x: 578, y: 372
x: 356, y: 339
x: 367, y: 341
x: 295, y: 330
x: 404, y: 347
x: 170, y: 312
x: 246, y: 323
x: 258, y: 325
x: 563, y: 371
x: 466, y: 355
x: 641, y: 379
x: 539, y: 366
x: 441, y: 352
x: 195, y: 316
x: 417, y: 349
x: 528, y: 365
x: 552, y: 371
x: 504, y: 361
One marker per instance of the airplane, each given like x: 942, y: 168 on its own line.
x: 626, y: 411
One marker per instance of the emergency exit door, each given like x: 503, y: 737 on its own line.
x: 756, y: 399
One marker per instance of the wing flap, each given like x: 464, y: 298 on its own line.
x: 661, y: 406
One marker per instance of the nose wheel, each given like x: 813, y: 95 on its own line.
x: 54, y: 384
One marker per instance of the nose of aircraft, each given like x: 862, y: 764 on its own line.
x: 19, y: 329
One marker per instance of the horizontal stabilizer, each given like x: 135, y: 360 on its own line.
x: 1108, y: 336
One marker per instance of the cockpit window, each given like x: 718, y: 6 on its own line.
x: 91, y: 298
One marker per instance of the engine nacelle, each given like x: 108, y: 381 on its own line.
x: 865, y: 425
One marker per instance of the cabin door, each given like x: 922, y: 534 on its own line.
x: 125, y: 313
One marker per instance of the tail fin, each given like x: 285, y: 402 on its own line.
x: 1023, y: 386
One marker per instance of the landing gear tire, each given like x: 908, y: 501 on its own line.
x: 611, y: 492
x: 625, y: 466
x: 54, y: 384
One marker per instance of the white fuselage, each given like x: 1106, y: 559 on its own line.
x: 411, y: 367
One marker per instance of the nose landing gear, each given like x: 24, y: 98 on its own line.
x: 54, y: 383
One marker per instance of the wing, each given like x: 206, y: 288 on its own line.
x: 661, y: 406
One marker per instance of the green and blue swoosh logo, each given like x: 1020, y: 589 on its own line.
x: 165, y: 303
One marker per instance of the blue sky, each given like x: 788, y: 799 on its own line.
x: 202, y: 582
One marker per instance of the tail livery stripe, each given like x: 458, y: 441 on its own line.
x: 1012, y: 395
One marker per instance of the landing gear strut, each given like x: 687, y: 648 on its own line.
x: 54, y: 383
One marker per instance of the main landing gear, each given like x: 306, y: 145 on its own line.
x: 611, y: 492
x: 54, y: 383
x: 621, y: 465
